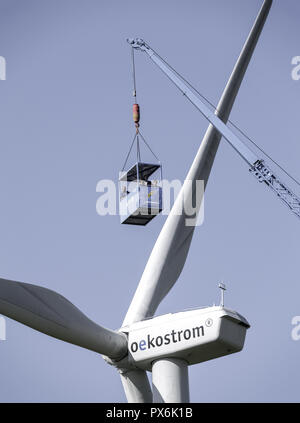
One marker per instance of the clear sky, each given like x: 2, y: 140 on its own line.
x: 65, y: 113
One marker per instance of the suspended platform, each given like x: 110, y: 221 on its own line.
x: 140, y: 193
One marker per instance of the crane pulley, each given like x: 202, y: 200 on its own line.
x: 257, y: 165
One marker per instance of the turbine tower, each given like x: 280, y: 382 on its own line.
x: 165, y: 345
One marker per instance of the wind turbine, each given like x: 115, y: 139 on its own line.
x: 165, y: 345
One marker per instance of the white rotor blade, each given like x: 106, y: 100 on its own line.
x: 52, y: 314
x: 136, y: 386
x: 171, y: 248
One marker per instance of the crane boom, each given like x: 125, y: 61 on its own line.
x: 257, y: 166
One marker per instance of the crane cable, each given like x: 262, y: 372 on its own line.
x: 136, y: 119
x: 135, y: 108
x: 231, y: 122
x: 133, y: 74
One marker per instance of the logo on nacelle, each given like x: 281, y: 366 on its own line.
x: 194, y: 335
x: 168, y: 338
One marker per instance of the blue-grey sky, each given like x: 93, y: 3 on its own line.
x: 65, y: 113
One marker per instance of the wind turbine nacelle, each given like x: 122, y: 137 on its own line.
x: 194, y: 336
